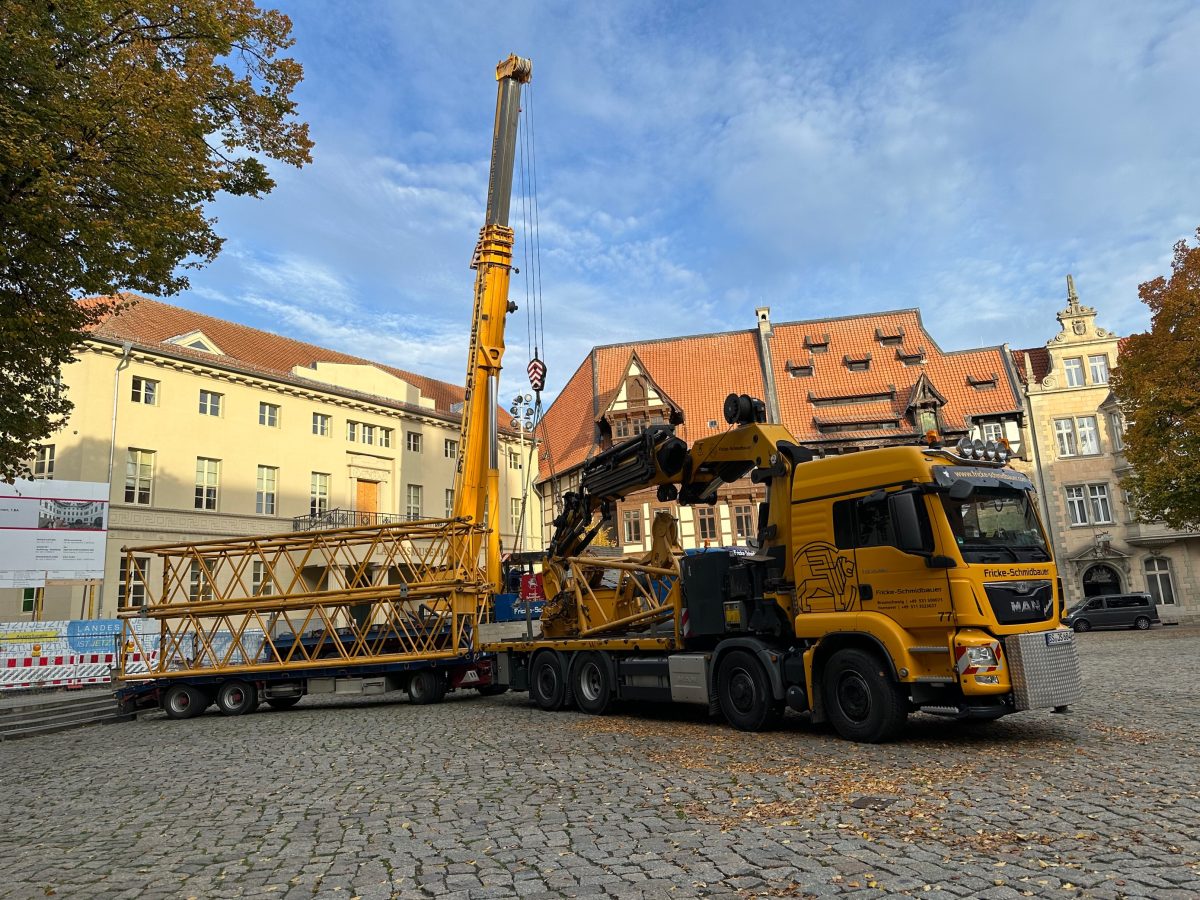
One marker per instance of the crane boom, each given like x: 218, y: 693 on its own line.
x: 477, y: 478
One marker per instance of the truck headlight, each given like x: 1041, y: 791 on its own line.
x: 981, y: 656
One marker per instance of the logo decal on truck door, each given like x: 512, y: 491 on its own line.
x: 824, y: 579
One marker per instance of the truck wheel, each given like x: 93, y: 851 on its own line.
x: 236, y: 698
x: 861, y: 700
x: 182, y: 701
x: 426, y: 687
x: 1082, y: 625
x: 592, y: 683
x: 283, y: 702
x: 1141, y: 623
x: 548, y: 682
x: 744, y: 692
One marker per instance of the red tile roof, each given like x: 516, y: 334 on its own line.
x: 151, y: 324
x: 1039, y: 361
x: 698, y: 371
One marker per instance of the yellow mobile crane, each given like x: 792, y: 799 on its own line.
x: 881, y: 583
x: 348, y: 610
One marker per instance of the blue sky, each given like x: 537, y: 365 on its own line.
x: 698, y: 160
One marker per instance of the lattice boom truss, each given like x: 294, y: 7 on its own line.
x: 602, y: 596
x: 371, y: 594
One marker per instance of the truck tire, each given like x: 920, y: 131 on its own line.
x: 744, y: 692
x: 862, y: 701
x: 426, y: 687
x: 591, y: 681
x: 236, y: 697
x: 183, y: 701
x: 548, y: 682
x: 283, y: 702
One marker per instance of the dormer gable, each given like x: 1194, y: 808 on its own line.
x: 195, y: 340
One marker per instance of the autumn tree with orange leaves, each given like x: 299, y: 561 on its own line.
x: 1157, y: 384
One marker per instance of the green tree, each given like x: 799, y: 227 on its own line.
x: 118, y: 123
x: 1155, y: 384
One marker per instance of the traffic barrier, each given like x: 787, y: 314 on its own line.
x: 93, y: 668
x: 36, y: 671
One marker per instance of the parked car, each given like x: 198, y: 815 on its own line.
x: 1113, y: 611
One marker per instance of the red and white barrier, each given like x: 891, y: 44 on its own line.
x: 36, y: 671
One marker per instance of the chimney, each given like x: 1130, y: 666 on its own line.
x: 763, y: 314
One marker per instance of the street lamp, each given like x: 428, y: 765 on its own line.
x: 524, y: 419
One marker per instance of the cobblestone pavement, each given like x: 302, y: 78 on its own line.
x: 489, y: 797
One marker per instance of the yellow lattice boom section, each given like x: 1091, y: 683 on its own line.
x: 320, y: 599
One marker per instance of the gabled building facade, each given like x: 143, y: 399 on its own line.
x: 1077, y: 449
x: 205, y: 428
x: 840, y: 385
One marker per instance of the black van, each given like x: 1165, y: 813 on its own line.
x: 1113, y: 611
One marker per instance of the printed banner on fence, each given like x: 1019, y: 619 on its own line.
x: 52, y: 530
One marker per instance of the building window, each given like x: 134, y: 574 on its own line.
x: 320, y: 424
x: 413, y: 441
x: 200, y: 585
x: 514, y: 511
x: 621, y: 429
x: 352, y: 431
x: 318, y: 494
x: 1101, y: 509
x: 261, y: 582
x: 451, y: 449
x: 368, y: 434
x: 268, y: 414
x: 207, y: 476
x: 449, y: 503
x: 632, y: 521
x: 131, y: 584
x: 210, y: 403
x: 413, y: 505
x: 264, y: 497
x: 743, y: 522
x: 29, y: 597
x: 706, y: 519
x: 1158, y: 580
x: 1073, y: 368
x: 1077, y: 437
x: 139, y: 476
x: 514, y: 459
x: 385, y: 437
x: 993, y: 431
x: 145, y: 391
x: 1098, y: 367
x: 1116, y: 431
x: 43, y: 463
x: 1077, y: 505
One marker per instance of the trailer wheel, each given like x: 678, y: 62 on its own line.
x: 744, y: 692
x: 861, y: 700
x: 548, y: 682
x: 236, y: 697
x: 283, y: 702
x: 426, y: 687
x: 592, y: 683
x: 183, y: 701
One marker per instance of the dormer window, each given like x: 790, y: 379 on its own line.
x: 857, y: 364
x: 890, y: 338
x: 817, y: 344
x: 911, y: 357
x: 983, y: 383
x: 195, y: 340
x: 804, y: 370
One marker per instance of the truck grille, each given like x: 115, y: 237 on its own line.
x: 1020, y: 602
x: 1044, y: 667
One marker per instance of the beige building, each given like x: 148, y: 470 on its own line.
x: 205, y: 429
x: 1076, y: 449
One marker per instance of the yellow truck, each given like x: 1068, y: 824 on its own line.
x: 881, y: 583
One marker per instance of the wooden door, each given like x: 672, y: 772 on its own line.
x: 366, y: 497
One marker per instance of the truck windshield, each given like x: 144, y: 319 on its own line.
x: 996, y: 525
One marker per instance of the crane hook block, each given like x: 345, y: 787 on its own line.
x: 537, y: 374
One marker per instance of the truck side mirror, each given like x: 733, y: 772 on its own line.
x: 910, y: 536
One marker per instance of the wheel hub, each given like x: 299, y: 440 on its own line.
x: 853, y: 696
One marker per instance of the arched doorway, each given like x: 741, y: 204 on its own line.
x: 1101, y: 579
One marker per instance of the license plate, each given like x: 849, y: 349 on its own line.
x: 1059, y: 637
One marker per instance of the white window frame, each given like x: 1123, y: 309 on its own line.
x: 1064, y: 436
x: 450, y: 449
x: 139, y: 476
x: 992, y: 431
x: 412, y: 441
x: 514, y: 512
x: 1098, y: 368
x: 1156, y: 577
x: 1077, y: 505
x: 318, y: 493
x: 211, y: 403
x: 144, y: 391
x: 320, y: 424
x: 745, y: 510
x: 208, y: 483
x: 1116, y: 431
x: 266, y: 490
x: 199, y: 584
x: 449, y: 503
x: 631, y: 526
x: 43, y: 463
x: 351, y: 431
x: 707, y: 515
x: 1073, y: 371
x: 1100, y: 504
x: 137, y: 584
x: 514, y: 459
x: 385, y: 437
x: 1086, y: 427
x: 261, y: 582
x: 268, y: 414
x: 414, y: 496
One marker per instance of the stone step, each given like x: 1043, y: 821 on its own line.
x: 42, y: 714
x: 47, y: 727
